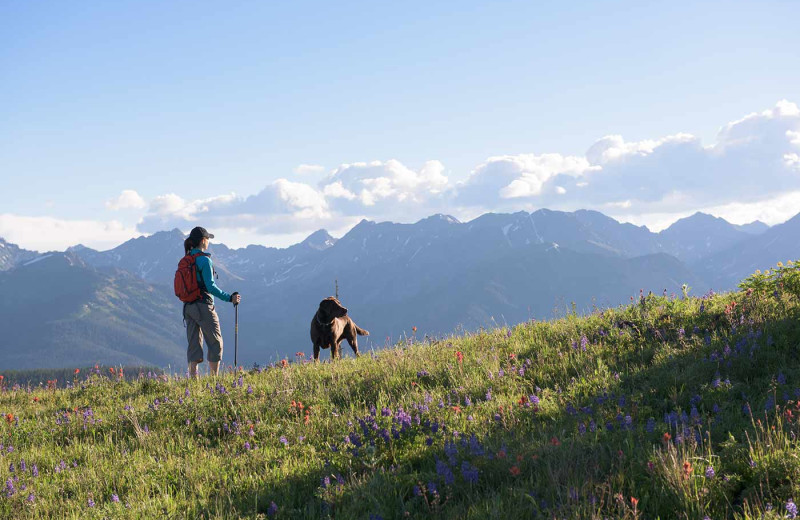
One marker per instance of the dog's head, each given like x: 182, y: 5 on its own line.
x: 330, y: 308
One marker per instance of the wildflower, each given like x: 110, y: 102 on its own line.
x: 791, y: 509
x: 666, y: 437
x: 272, y: 510
x: 443, y: 470
x: 247, y: 446
x: 91, y: 503
x: 514, y: 470
x: 710, y: 472
x: 9, y: 418
x: 459, y: 356
x: 469, y: 472
x: 687, y: 469
x: 284, y: 441
x: 489, y: 394
x: 554, y: 441
x: 77, y: 371
x: 634, y: 502
x: 115, y: 498
x: 31, y: 498
x: 284, y: 364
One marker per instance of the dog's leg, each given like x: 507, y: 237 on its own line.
x: 334, y: 350
x: 354, y: 345
x: 316, y: 353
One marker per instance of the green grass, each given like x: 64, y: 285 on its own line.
x: 627, y: 424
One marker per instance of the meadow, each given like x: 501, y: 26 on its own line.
x: 674, y: 406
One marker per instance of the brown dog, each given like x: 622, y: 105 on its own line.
x: 331, y: 325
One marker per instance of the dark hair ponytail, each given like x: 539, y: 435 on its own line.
x: 189, y: 244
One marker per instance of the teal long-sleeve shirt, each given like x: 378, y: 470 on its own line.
x: 205, y: 274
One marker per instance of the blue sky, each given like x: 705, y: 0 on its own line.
x: 121, y: 118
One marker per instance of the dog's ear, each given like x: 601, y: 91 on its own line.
x: 339, y: 307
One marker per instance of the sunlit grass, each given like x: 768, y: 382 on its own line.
x: 666, y: 408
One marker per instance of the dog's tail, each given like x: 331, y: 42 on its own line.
x: 360, y: 331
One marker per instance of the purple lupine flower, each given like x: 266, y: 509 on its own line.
x: 90, y: 503
x: 650, y: 426
x: 417, y: 491
x: 467, y: 401
x: 469, y: 472
x: 386, y: 412
x: 581, y: 428
x: 285, y: 442
x: 432, y: 487
x: 710, y: 473
x: 11, y: 468
x: 501, y: 373
x: 247, y: 446
x: 115, y: 498
x: 781, y: 378
x: 443, y: 470
x: 249, y: 390
x: 273, y: 509
x: 22, y: 465
x: 791, y: 509
x: 584, y: 342
x: 31, y: 498
x: 489, y: 394
x: 35, y: 471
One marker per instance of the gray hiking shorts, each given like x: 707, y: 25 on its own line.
x: 202, y: 322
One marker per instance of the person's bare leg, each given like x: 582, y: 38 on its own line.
x: 193, y: 369
x: 213, y: 367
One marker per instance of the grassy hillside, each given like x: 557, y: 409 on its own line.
x: 667, y: 408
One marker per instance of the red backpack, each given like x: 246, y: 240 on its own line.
x: 187, y: 288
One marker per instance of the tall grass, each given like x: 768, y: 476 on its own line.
x: 666, y: 408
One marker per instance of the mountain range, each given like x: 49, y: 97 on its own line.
x: 399, y: 281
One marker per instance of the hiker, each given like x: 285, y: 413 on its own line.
x: 199, y: 315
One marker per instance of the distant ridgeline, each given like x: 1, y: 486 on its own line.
x: 425, y: 279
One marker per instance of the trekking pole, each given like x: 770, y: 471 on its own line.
x: 236, y: 335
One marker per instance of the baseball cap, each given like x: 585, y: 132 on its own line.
x: 199, y: 232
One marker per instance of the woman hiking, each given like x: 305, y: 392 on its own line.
x: 199, y: 315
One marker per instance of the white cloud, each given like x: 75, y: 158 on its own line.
x: 48, y: 233
x: 282, y: 205
x: 308, y: 169
x: 614, y: 147
x: 518, y: 176
x: 128, y: 199
x: 378, y: 186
